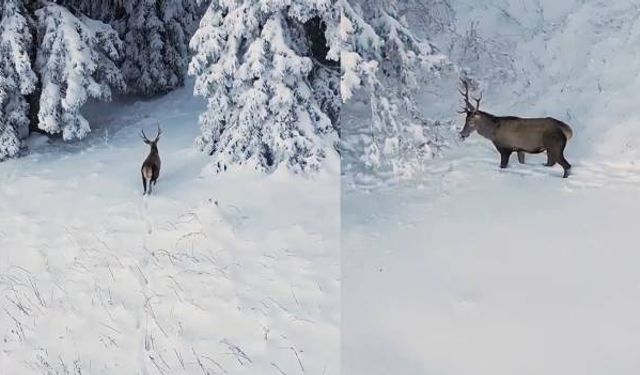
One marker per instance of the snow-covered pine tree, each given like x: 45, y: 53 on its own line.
x: 385, y: 62
x: 103, y: 10
x: 17, y: 78
x: 180, y: 18
x: 257, y: 64
x: 156, y: 35
x: 76, y: 60
x: 54, y: 55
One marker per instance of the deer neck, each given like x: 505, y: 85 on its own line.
x: 154, y: 150
x: 487, y: 126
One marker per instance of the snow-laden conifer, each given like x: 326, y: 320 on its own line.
x: 17, y: 78
x: 75, y: 61
x: 156, y: 36
x: 259, y: 64
x: 384, y: 62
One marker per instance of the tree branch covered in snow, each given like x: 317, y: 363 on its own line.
x: 76, y: 61
x: 156, y: 36
x: 56, y: 55
x: 384, y: 62
x: 269, y: 97
x: 17, y: 78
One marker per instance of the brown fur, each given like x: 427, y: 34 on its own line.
x: 514, y: 134
x: 150, y: 169
x: 522, y: 135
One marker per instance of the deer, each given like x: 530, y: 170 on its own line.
x: 515, y: 134
x: 150, y: 169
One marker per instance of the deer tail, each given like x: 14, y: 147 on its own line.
x: 147, y: 172
x: 566, y: 129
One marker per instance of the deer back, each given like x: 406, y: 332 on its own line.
x: 527, y: 133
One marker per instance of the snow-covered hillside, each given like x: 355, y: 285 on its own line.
x: 472, y: 269
x: 573, y: 60
x: 236, y: 273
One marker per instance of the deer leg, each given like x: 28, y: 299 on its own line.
x: 521, y: 157
x: 550, y: 160
x: 561, y: 159
x: 565, y: 165
x: 144, y: 184
x: 504, y: 157
x: 555, y: 153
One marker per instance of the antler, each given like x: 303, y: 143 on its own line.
x: 159, y: 132
x: 477, y: 100
x: 146, y: 139
x: 465, y: 96
x: 468, y: 107
x: 143, y: 136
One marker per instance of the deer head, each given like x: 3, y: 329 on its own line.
x: 153, y: 143
x: 471, y: 111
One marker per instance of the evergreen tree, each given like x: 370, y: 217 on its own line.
x: 76, y: 60
x: 255, y: 64
x: 382, y: 59
x: 55, y: 55
x: 52, y: 59
x: 107, y: 11
x: 156, y: 35
x: 17, y: 78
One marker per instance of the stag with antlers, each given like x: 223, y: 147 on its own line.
x: 150, y: 169
x: 514, y: 134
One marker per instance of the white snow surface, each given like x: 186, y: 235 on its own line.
x: 235, y: 273
x: 469, y: 269
x: 485, y: 271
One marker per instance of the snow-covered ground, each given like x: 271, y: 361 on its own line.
x: 495, y: 272
x: 470, y: 269
x: 236, y: 273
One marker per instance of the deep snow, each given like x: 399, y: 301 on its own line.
x: 469, y: 269
x: 236, y: 273
x: 484, y: 271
